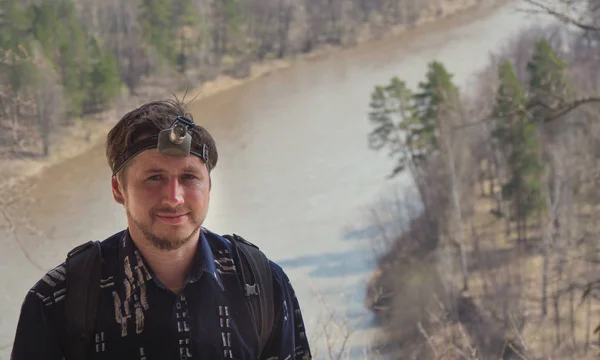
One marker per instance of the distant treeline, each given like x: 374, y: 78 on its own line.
x: 61, y: 59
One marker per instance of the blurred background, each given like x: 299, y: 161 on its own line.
x: 423, y: 170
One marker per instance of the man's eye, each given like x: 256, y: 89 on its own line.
x: 154, y: 178
x: 189, y: 177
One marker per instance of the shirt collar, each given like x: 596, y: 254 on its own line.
x: 135, y: 272
x: 204, y: 262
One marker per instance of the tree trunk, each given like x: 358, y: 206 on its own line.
x: 556, y: 303
x: 118, y: 47
x: 544, y: 303
x: 524, y: 228
x: 15, y: 123
x: 572, y: 317
x: 459, y: 218
x: 482, y: 182
x: 285, y: 18
x: 484, y: 281
x: 588, y: 324
x: 547, y: 236
x: 518, y: 219
x: 45, y: 134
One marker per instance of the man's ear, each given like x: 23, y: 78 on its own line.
x: 116, y: 190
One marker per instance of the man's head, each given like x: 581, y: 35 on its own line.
x: 166, y: 197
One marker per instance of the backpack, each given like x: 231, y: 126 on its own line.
x: 84, y: 270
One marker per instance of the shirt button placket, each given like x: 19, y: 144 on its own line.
x: 183, y: 327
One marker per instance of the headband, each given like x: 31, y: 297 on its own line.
x: 174, y: 141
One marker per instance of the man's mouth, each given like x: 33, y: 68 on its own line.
x: 172, y: 219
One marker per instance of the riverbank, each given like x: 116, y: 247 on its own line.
x: 86, y: 133
x: 467, y: 275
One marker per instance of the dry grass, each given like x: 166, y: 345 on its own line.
x: 539, y: 334
x: 505, y: 288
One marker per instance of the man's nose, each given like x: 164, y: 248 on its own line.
x: 174, y: 193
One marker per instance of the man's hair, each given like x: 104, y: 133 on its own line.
x: 148, y: 120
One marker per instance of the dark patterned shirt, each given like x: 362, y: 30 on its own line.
x: 140, y: 319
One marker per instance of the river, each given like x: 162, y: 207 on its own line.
x: 295, y: 174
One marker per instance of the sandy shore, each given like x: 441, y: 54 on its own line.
x: 85, y: 134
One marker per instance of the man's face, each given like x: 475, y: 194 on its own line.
x: 166, y: 198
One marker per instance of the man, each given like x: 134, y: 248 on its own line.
x: 169, y: 288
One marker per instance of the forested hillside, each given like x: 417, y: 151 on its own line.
x: 500, y: 258
x: 66, y: 59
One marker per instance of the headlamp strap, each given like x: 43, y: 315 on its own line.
x: 152, y: 143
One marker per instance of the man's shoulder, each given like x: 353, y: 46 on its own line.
x: 223, y: 242
x: 275, y: 267
x: 215, y: 240
x: 51, y: 287
x: 223, y: 239
x: 220, y: 241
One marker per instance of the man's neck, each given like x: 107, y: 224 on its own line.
x: 170, y: 267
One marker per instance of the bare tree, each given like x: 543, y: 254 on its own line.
x: 578, y: 13
x: 286, y: 15
x: 124, y: 38
x: 48, y: 99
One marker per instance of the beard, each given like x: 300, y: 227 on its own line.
x: 165, y: 243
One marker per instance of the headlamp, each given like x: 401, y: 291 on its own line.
x: 176, y: 140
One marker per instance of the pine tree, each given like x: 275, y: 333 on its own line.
x: 186, y: 24
x: 56, y: 27
x: 234, y: 15
x: 103, y: 78
x: 518, y: 139
x: 416, y: 135
x: 438, y: 110
x: 395, y: 126
x: 549, y: 90
x: 13, y: 24
x: 548, y: 86
x: 438, y: 97
x: 227, y: 26
x: 15, y: 63
x: 157, y: 18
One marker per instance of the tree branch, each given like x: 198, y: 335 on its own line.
x: 6, y: 97
x: 570, y: 107
x: 543, y: 8
x: 557, y: 113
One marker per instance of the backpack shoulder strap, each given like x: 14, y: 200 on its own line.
x: 84, y: 270
x: 258, y: 285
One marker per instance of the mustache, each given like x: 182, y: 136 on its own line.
x: 170, y: 210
